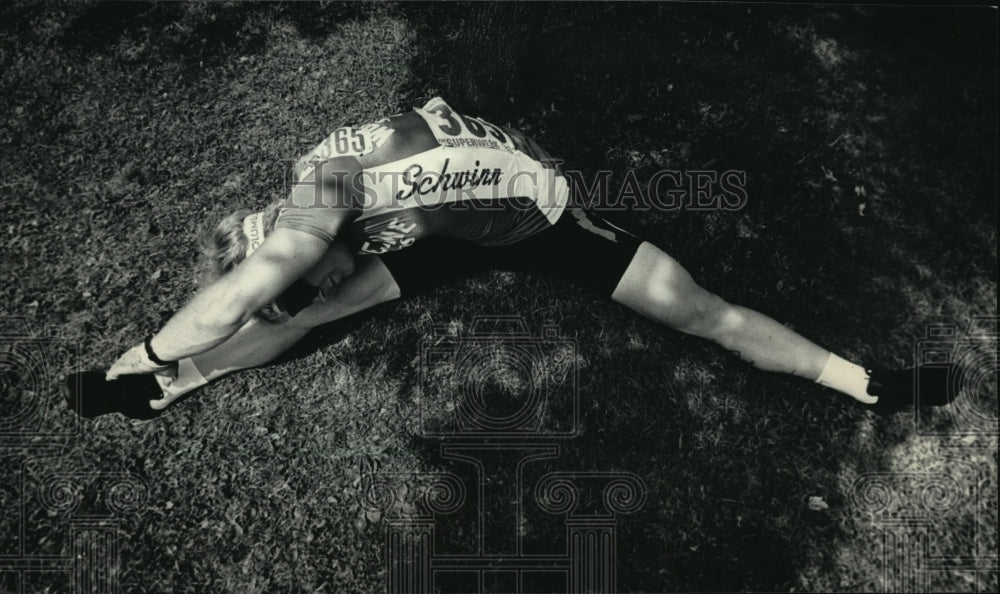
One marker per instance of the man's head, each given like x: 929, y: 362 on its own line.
x: 238, y: 235
x: 228, y: 244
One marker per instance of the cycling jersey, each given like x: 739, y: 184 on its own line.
x: 460, y: 194
x: 431, y: 172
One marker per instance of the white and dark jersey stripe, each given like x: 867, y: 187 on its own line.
x: 430, y: 173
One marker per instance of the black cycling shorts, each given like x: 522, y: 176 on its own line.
x: 581, y: 248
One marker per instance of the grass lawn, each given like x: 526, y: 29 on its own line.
x: 869, y: 141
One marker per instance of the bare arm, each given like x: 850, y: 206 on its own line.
x: 219, y: 310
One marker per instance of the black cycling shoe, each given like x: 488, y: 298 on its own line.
x: 90, y: 395
x: 929, y: 386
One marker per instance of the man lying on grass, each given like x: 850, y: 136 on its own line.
x: 397, y: 207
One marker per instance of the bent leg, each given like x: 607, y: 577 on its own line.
x: 257, y: 342
x: 658, y: 287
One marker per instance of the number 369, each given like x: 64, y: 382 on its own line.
x: 453, y: 124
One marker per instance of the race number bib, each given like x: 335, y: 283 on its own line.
x: 456, y: 130
x: 344, y: 142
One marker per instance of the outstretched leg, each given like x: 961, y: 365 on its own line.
x: 658, y: 287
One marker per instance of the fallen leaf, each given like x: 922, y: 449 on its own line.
x: 817, y: 503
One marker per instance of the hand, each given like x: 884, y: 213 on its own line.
x: 135, y: 362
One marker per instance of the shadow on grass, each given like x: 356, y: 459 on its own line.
x: 826, y: 126
x: 728, y: 467
x: 729, y: 456
x: 826, y: 122
x: 763, y: 90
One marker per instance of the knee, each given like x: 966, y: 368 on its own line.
x: 726, y: 320
x: 710, y: 316
x: 657, y: 286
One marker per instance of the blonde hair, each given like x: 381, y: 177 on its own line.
x: 224, y: 247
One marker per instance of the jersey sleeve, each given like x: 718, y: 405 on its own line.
x: 328, y: 196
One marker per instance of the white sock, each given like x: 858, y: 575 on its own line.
x: 846, y: 377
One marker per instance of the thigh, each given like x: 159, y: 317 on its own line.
x: 435, y: 261
x: 404, y: 273
x: 582, y: 248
